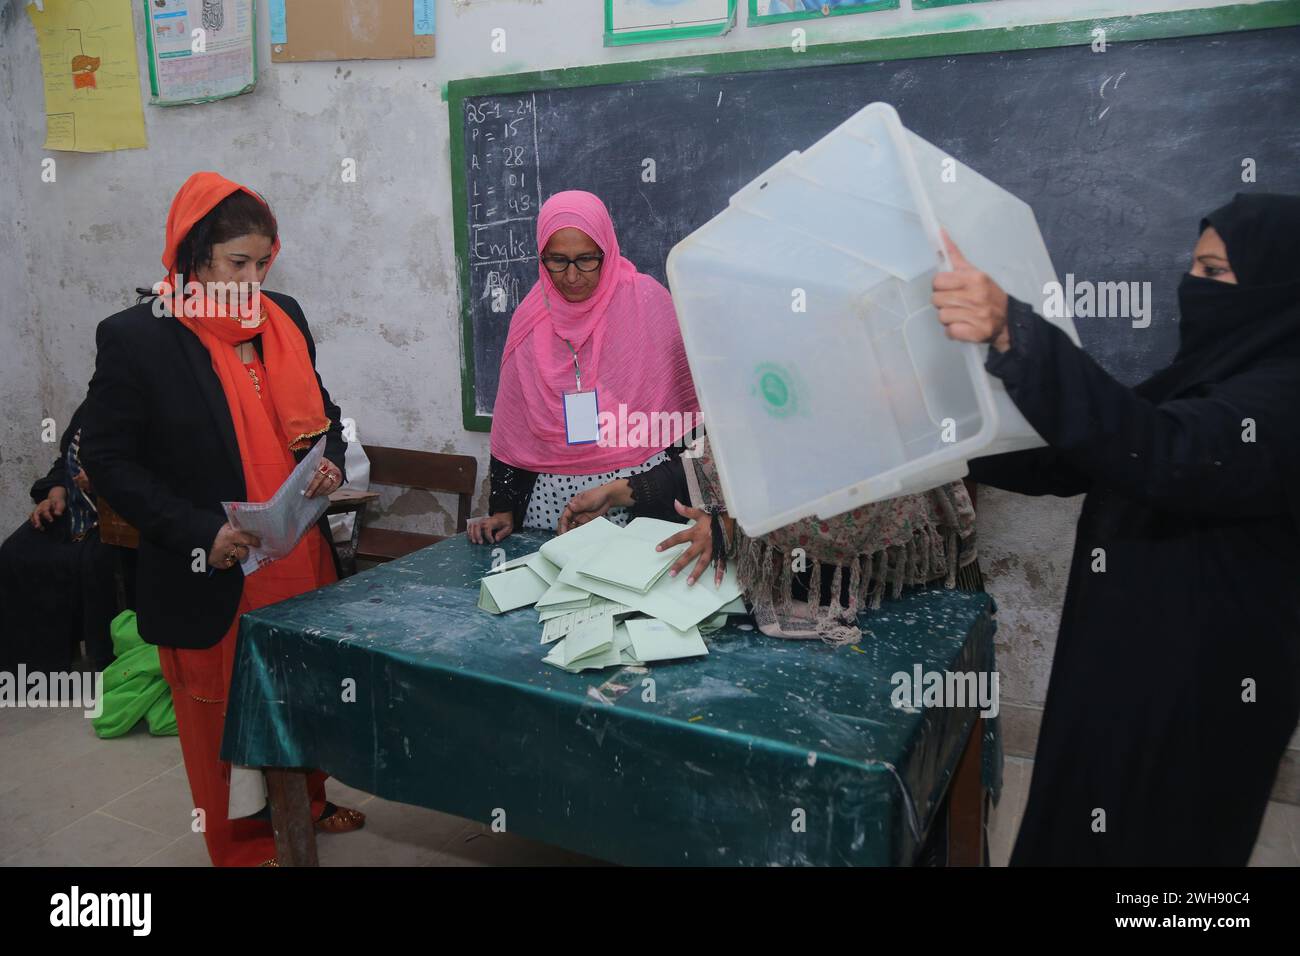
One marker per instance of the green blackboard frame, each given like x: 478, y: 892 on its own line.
x: 1150, y: 26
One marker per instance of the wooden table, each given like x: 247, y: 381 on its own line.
x: 350, y: 501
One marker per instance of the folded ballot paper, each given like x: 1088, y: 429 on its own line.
x: 669, y: 598
x: 656, y: 641
x: 516, y: 584
x: 554, y: 628
x: 594, y: 650
x: 604, y: 597
x: 281, y: 522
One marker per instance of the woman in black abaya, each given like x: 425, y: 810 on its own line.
x: 1176, y: 682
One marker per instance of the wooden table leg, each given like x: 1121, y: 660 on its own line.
x: 966, y: 804
x: 295, y: 834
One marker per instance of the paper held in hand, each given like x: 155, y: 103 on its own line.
x: 281, y: 522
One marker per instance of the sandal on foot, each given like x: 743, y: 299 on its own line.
x: 337, y: 819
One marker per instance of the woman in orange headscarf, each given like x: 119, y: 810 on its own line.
x: 201, y: 397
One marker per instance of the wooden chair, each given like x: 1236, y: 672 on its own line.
x: 427, y: 471
x: 114, y: 529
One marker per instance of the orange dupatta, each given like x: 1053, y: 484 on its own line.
x: 268, y: 430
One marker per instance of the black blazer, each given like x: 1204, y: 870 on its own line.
x: 159, y: 444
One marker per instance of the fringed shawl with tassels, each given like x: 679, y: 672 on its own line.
x: 886, y: 545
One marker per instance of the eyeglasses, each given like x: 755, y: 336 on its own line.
x: 585, y: 263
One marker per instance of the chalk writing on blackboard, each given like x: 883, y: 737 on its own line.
x: 503, y: 186
x: 503, y: 192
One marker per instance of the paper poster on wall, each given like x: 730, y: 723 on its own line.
x: 778, y: 11
x: 645, y: 21
x: 200, y: 50
x: 350, y: 29
x: 92, y: 80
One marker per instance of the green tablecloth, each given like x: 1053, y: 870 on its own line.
x: 394, y: 682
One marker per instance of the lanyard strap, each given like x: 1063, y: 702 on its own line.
x: 577, y: 372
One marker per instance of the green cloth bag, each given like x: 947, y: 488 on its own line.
x: 134, y: 686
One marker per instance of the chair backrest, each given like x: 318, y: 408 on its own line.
x: 113, y: 528
x: 427, y: 471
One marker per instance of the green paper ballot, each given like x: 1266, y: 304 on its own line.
x: 653, y: 530
x: 669, y: 599
x: 554, y: 628
x: 629, y: 562
x: 623, y: 644
x: 610, y: 657
x: 590, y: 637
x: 617, y: 654
x: 563, y: 548
x: 507, y: 590
x: 656, y: 641
x: 715, y: 623
x: 564, y: 596
x: 512, y: 563
x: 545, y: 614
x: 535, y: 562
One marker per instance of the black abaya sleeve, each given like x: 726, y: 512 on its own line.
x: 653, y: 491
x: 509, y: 489
x: 57, y: 476
x: 1035, y: 471
x: 54, y: 478
x: 1228, y: 450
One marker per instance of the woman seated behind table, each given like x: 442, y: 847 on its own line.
x: 191, y: 407
x: 590, y: 324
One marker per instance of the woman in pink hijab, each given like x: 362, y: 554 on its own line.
x: 594, y: 381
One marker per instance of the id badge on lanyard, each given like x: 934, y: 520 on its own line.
x: 581, y: 410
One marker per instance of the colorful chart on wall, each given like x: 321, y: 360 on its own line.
x: 200, y: 50
x: 778, y: 11
x: 646, y: 21
x: 92, y: 79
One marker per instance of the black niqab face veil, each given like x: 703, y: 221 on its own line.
x: 1224, y: 327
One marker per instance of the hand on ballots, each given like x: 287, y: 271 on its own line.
x: 604, y: 599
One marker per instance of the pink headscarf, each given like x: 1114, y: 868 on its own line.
x: 629, y: 348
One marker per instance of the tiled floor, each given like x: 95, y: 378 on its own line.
x: 70, y: 799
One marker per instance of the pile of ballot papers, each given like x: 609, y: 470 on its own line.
x: 604, y: 597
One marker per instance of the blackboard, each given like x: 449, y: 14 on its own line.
x: 1119, y: 152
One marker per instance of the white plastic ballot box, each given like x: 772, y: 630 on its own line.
x: 824, y: 376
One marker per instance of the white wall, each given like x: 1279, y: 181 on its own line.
x: 372, y: 262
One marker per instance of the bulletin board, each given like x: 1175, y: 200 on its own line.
x: 350, y: 29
